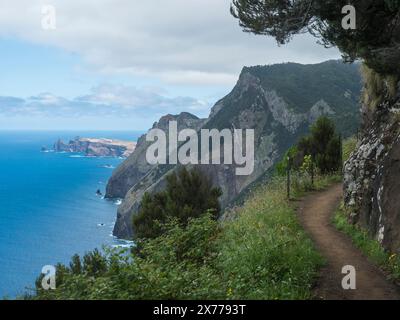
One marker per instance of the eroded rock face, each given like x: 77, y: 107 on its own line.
x: 372, y: 176
x: 254, y: 103
x: 136, y: 167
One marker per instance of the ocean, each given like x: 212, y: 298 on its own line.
x: 49, y: 209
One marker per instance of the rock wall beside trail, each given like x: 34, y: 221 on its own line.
x: 372, y: 175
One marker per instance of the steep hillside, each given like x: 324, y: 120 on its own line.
x: 135, y: 167
x: 302, y: 85
x: 279, y: 102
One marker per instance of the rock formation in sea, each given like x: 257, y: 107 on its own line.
x: 97, y: 147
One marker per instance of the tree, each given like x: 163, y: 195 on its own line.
x: 376, y: 38
x: 325, y: 145
x: 188, y: 194
x: 322, y: 131
x: 76, y: 265
x: 322, y: 146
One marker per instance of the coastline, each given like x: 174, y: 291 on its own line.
x: 50, y: 210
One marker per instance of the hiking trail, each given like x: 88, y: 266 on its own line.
x: 315, y: 212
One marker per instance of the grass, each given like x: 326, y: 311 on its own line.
x: 301, y: 183
x: 369, y: 246
x: 262, y: 253
x: 265, y: 252
x: 377, y: 87
x: 349, y: 145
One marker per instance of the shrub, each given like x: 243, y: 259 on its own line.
x: 265, y: 254
x: 323, y: 144
x: 188, y: 194
x: 262, y: 254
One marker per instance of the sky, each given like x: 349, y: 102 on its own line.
x: 122, y: 64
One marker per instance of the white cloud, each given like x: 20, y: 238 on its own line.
x: 177, y: 41
x: 104, y: 101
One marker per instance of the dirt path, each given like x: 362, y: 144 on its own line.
x: 315, y: 212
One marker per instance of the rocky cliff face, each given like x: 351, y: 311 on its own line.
x: 371, y: 182
x: 136, y: 167
x: 96, y: 147
x: 279, y: 117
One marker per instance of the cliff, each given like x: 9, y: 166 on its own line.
x: 136, y: 167
x: 96, y: 147
x: 279, y: 102
x: 371, y: 175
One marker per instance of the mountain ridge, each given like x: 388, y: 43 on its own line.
x: 254, y: 103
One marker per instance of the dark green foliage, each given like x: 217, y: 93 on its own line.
x: 281, y: 167
x: 323, y: 145
x: 180, y: 264
x: 376, y: 38
x: 147, y: 223
x: 301, y: 86
x: 94, y: 263
x: 76, y: 264
x: 262, y: 254
x: 188, y: 194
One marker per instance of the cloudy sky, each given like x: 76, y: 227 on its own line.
x: 121, y: 64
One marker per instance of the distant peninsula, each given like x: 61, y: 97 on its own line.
x: 96, y: 147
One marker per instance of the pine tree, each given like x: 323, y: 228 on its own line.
x: 376, y: 38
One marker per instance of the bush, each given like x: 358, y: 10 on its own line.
x: 265, y: 254
x: 180, y: 264
x: 262, y: 254
x: 323, y: 144
x: 326, y: 145
x: 188, y: 194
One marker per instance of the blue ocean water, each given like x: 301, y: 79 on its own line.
x: 49, y: 209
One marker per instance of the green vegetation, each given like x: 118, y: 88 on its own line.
x: 301, y: 87
x: 188, y: 194
x: 282, y: 166
x: 265, y: 253
x: 262, y: 253
x: 323, y: 144
x: 370, y: 247
x: 349, y: 145
x: 377, y: 87
x: 257, y: 251
x: 375, y: 38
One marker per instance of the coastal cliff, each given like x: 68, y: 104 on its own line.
x: 133, y: 169
x: 279, y: 102
x: 97, y: 147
